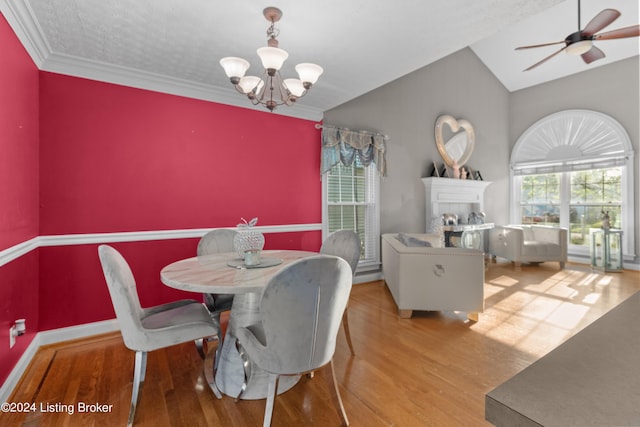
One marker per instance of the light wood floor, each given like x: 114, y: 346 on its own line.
x: 431, y: 370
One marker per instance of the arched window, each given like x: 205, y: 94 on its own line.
x: 568, y: 168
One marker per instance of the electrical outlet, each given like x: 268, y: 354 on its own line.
x: 12, y: 336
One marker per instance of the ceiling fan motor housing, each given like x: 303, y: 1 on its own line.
x: 576, y: 37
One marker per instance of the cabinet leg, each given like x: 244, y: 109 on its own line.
x: 405, y: 314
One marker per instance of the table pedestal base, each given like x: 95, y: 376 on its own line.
x: 230, y: 373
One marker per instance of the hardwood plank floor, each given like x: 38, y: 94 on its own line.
x: 431, y: 370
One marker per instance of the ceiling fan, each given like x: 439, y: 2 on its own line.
x: 581, y: 42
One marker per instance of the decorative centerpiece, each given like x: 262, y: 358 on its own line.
x: 249, y: 242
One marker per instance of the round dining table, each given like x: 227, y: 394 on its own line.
x: 226, y: 273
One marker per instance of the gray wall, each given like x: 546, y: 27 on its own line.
x: 406, y: 110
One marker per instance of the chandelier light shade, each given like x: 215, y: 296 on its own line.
x: 271, y: 90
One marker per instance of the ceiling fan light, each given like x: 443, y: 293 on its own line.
x: 272, y: 57
x: 234, y: 67
x: 250, y: 83
x: 309, y: 73
x: 295, y: 87
x: 578, y: 48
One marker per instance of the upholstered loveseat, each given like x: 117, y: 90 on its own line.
x: 529, y: 244
x: 432, y: 278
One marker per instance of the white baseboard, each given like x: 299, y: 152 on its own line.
x: 19, y: 369
x: 80, y: 331
x: 368, y: 277
x: 52, y: 337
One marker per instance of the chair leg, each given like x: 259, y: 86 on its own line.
x: 246, y: 365
x: 143, y: 368
x: 139, y: 372
x: 209, y: 366
x: 271, y: 399
x: 200, y: 347
x: 201, y: 341
x: 335, y: 394
x: 345, y: 324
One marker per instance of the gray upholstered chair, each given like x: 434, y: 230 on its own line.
x: 213, y: 242
x: 148, y: 329
x: 300, y: 314
x: 346, y: 245
x: 217, y: 241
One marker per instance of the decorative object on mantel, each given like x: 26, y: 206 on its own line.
x: 455, y: 169
x: 457, y: 150
x: 442, y: 171
x: 342, y: 145
x: 249, y: 242
x: 271, y: 90
x: 476, y: 218
x: 449, y: 219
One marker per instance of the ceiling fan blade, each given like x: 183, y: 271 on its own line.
x: 545, y: 59
x: 621, y: 33
x: 592, y: 54
x: 600, y: 21
x: 539, y: 45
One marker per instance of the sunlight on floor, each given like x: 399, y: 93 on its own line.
x: 537, y: 311
x: 567, y: 315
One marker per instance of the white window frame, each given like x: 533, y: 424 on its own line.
x: 371, y: 260
x: 569, y: 141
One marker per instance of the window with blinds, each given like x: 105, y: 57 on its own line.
x: 350, y: 201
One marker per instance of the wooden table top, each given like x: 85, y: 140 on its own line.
x: 212, y: 274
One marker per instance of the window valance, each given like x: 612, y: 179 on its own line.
x: 343, y: 145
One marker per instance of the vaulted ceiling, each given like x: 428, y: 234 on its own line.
x: 174, y: 46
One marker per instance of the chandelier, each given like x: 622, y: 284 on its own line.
x: 271, y: 89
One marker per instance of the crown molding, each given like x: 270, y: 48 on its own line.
x: 125, y: 76
x: 22, y: 20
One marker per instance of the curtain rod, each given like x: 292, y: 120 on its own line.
x: 319, y: 126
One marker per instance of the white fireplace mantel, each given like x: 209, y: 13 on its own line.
x: 450, y: 195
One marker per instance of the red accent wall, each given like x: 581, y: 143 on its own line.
x: 18, y: 141
x: 18, y: 193
x: 115, y: 158
x: 80, y: 156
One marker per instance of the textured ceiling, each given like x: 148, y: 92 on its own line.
x: 174, y: 46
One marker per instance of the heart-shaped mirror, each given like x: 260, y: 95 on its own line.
x: 458, y: 148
